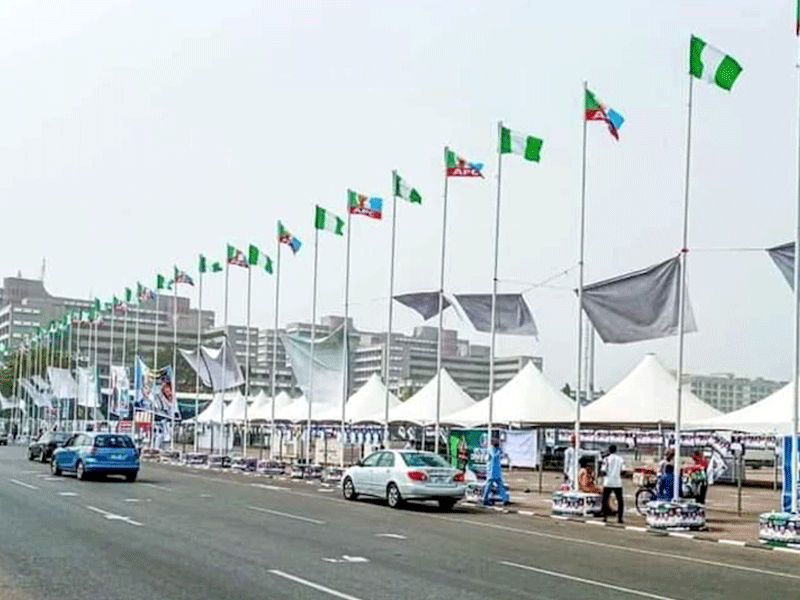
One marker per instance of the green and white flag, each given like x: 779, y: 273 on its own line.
x: 527, y: 146
x: 712, y: 65
x: 328, y: 221
x: 404, y: 191
x: 257, y: 258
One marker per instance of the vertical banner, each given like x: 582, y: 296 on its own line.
x: 119, y: 401
x: 786, y: 496
x: 153, y: 390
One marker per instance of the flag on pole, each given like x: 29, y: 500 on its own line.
x: 202, y: 265
x: 268, y: 264
x: 285, y: 237
x: 404, y: 191
x: 359, y: 204
x: 328, y: 221
x: 527, y: 146
x: 216, y: 267
x: 595, y: 111
x: 145, y: 293
x: 712, y: 65
x: 254, y: 255
x: 128, y: 294
x: 161, y: 282
x: 236, y: 257
x: 455, y: 166
x: 183, y: 277
x: 797, y: 19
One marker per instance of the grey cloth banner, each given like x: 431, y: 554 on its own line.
x: 638, y: 306
x: 783, y: 257
x: 209, y: 366
x: 425, y: 303
x: 512, y: 315
x: 329, y: 366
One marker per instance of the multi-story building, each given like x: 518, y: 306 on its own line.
x: 726, y: 392
x: 237, y: 335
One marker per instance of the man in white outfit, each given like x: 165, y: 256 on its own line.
x: 612, y: 466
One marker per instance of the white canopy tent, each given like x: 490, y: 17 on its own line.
x: 420, y: 409
x: 211, y: 412
x: 234, y: 412
x: 647, y: 396
x: 367, y: 405
x: 262, y: 407
x: 771, y: 415
x: 297, y: 411
x: 529, y: 398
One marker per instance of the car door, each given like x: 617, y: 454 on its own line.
x: 382, y: 474
x: 362, y: 475
x: 63, y: 457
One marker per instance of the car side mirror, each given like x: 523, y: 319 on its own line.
x: 360, y: 463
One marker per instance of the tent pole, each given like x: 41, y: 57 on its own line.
x: 346, y: 337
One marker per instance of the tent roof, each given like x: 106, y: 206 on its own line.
x: 528, y: 398
x: 297, y: 411
x: 420, y: 409
x: 234, y: 412
x: 261, y: 410
x: 772, y: 414
x: 366, y: 405
x: 211, y: 412
x: 646, y: 396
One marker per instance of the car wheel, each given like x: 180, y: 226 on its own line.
x: 447, y: 503
x: 30, y: 454
x: 393, y: 497
x: 349, y: 490
x: 54, y: 467
x: 131, y: 477
x: 80, y: 471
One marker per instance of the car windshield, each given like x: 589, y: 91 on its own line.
x: 113, y: 441
x: 423, y: 459
x: 60, y: 437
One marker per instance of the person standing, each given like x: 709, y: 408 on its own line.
x: 494, y: 475
x: 613, y: 465
x: 569, y: 456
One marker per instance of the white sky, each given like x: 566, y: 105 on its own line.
x: 134, y: 135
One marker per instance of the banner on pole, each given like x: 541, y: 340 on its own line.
x: 153, y: 390
x: 120, y: 398
x: 786, y: 496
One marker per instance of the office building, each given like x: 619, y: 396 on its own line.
x: 726, y: 392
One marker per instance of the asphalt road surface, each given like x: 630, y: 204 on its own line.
x: 202, y: 535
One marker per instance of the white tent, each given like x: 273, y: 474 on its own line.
x: 771, y: 415
x: 297, y: 411
x: 234, y: 412
x: 420, y: 409
x: 262, y: 407
x: 528, y: 398
x: 646, y: 396
x: 367, y: 405
x: 211, y: 412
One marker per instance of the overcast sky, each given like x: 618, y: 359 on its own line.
x: 134, y: 135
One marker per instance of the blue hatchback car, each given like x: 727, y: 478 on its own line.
x: 97, y: 454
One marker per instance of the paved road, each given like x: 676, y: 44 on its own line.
x: 197, y: 534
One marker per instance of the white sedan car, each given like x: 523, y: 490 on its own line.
x: 400, y: 475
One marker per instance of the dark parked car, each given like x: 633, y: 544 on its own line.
x: 42, y: 448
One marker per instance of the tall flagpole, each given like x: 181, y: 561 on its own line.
x: 125, y: 333
x: 388, y: 354
x: 96, y: 370
x: 676, y: 494
x: 346, y: 346
x: 155, y: 367
x: 275, y: 353
x: 197, y: 371
x: 441, y: 315
x: 247, y: 361
x: 135, y: 359
x: 494, y: 284
x: 582, y: 244
x: 77, y: 375
x: 111, y: 360
x: 795, y: 401
x: 174, y: 358
x: 313, y: 341
x: 222, y: 437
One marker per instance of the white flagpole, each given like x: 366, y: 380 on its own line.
x: 247, y: 361
x: 576, y: 453
x: 197, y: 371
x: 96, y: 371
x: 155, y: 367
x: 346, y: 346
x: 796, y: 365
x: 77, y: 365
x: 494, y: 284
x: 125, y: 333
x: 313, y: 341
x: 441, y: 315
x: 222, y: 436
x: 676, y: 494
x: 388, y: 354
x: 111, y: 361
x: 275, y: 353
x: 135, y: 359
x: 174, y: 359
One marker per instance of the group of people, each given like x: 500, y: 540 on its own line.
x: 611, y: 469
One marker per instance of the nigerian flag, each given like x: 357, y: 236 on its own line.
x: 404, y: 191
x: 712, y: 65
x: 328, y: 221
x: 527, y: 146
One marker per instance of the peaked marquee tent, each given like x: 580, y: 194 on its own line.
x: 646, y: 397
x: 528, y: 398
x: 420, y: 409
x: 262, y: 406
x: 770, y: 415
x: 367, y: 405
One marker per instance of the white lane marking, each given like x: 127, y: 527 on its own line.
x: 620, y: 548
x: 600, y: 523
x: 687, y: 536
x: 43, y: 475
x: 287, y: 515
x: 67, y: 494
x: 53, y: 479
x: 131, y: 500
x: 635, y: 528
x: 264, y: 486
x: 559, y: 517
x: 325, y: 490
x: 527, y: 513
x: 347, y: 559
x: 113, y: 517
x: 23, y: 484
x: 205, y: 495
x: 29, y: 472
x: 312, y: 585
x: 792, y: 550
x: 732, y: 542
x: 394, y: 536
x: 157, y: 487
x: 608, y: 586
